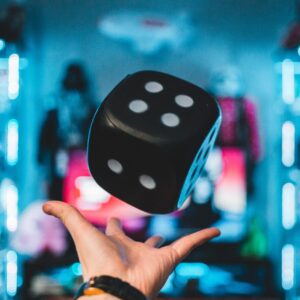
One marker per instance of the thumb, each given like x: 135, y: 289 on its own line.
x: 186, y: 244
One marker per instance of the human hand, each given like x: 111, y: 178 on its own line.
x: 143, y: 265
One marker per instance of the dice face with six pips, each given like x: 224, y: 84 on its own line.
x: 150, y: 138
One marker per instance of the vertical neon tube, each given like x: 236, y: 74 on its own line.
x: 2, y: 44
x: 12, y: 142
x: 288, y: 144
x: 13, y: 76
x: 288, y: 81
x: 11, y: 203
x: 287, y: 266
x: 11, y: 273
x: 288, y: 206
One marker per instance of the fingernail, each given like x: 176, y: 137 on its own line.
x: 46, y: 208
x: 160, y: 242
x: 117, y: 220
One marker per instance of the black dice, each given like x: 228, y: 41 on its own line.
x: 150, y: 138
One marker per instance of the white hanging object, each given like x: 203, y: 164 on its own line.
x: 147, y: 32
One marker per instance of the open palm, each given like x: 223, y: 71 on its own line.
x: 143, y: 265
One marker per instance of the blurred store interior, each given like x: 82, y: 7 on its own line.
x: 58, y: 61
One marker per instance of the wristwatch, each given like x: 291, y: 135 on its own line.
x: 109, y: 285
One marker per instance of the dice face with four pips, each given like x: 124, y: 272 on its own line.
x: 150, y: 139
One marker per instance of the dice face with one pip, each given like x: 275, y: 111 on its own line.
x: 150, y: 138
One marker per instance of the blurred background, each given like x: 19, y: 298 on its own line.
x: 58, y: 61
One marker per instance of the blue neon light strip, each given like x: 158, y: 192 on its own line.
x: 12, y: 142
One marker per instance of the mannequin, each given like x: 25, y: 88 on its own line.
x: 239, y: 125
x: 65, y: 128
x: 227, y: 180
x: 63, y: 143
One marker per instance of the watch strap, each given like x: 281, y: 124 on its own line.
x: 110, y: 285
